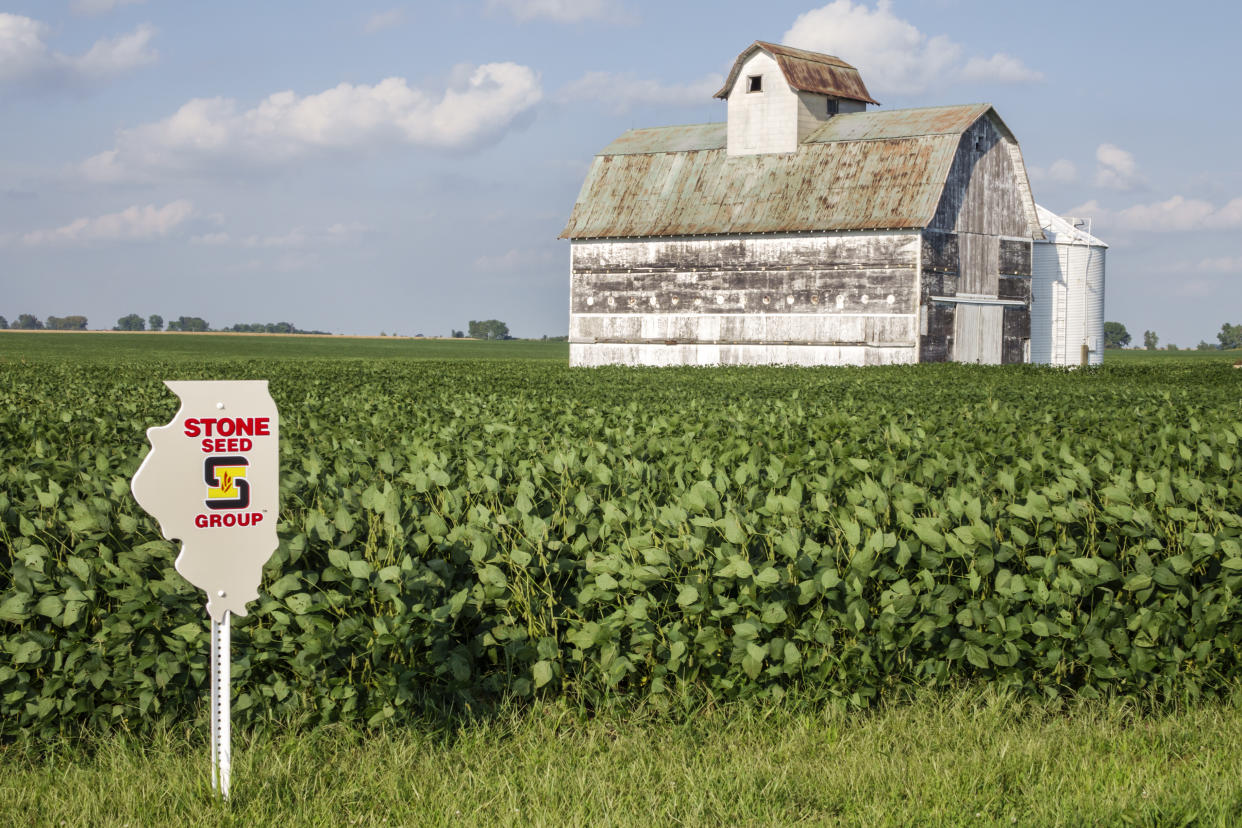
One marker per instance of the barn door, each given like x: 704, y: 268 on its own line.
x: 977, y: 333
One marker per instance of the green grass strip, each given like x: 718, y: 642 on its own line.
x: 944, y: 759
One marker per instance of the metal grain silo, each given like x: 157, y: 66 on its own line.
x: 1067, y: 292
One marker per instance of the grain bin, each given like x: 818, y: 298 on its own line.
x: 1067, y: 292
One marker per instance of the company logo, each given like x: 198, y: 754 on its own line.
x: 227, y: 487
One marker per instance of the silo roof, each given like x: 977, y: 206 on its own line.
x: 807, y: 71
x: 1065, y: 229
x: 859, y: 171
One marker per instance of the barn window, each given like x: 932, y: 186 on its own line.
x: 834, y: 106
x: 979, y: 145
x: 754, y: 83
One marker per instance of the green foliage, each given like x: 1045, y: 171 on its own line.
x: 488, y: 329
x: 1150, y: 340
x: 28, y: 322
x: 156, y: 322
x: 4, y: 324
x: 131, y: 322
x: 526, y: 529
x: 1230, y: 336
x: 188, y: 323
x: 1115, y: 335
x: 270, y: 327
x: 66, y: 323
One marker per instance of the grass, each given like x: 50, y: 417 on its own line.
x: 946, y: 759
x: 122, y: 347
x: 1118, y: 356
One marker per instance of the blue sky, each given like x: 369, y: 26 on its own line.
x: 406, y: 167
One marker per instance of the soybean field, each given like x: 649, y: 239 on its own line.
x: 458, y: 534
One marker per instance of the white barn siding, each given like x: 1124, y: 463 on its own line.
x: 767, y: 121
x: 801, y: 299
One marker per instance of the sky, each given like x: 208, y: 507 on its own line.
x: 407, y: 167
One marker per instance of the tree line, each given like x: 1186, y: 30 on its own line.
x: 154, y: 322
x: 1229, y: 338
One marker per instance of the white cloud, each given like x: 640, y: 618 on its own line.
x: 1062, y: 171
x: 100, y: 6
x: 1223, y: 264
x: 620, y: 92
x: 1176, y: 214
x: 211, y: 239
x: 131, y: 224
x: 564, y: 11
x: 516, y: 259
x: 380, y: 21
x: 891, y: 54
x: 476, y: 108
x: 1227, y: 217
x: 339, y: 233
x: 1117, y: 169
x: 26, y: 58
x: 999, y: 68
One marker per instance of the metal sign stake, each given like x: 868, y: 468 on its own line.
x: 221, y: 730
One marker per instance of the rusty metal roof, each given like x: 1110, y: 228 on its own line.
x: 859, y: 171
x: 807, y: 71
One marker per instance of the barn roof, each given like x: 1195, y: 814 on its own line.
x: 859, y: 171
x: 806, y: 71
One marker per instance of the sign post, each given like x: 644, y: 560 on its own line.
x: 211, y: 482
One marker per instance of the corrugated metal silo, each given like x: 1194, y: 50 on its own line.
x: 1067, y: 292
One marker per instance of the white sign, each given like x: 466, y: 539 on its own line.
x: 211, y: 481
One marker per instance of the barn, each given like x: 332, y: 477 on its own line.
x: 806, y: 229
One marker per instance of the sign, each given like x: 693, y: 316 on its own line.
x: 211, y: 481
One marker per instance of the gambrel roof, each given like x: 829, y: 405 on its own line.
x: 858, y: 171
x: 806, y: 71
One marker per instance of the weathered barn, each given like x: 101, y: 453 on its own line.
x: 805, y: 230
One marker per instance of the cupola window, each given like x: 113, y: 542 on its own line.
x: 754, y: 83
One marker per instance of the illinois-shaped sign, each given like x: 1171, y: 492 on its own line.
x: 211, y: 482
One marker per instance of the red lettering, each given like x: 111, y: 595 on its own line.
x: 228, y: 427
x: 227, y: 519
x: 245, y: 444
x: 207, y: 449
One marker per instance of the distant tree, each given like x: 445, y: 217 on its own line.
x: 66, y: 323
x: 156, y: 322
x: 488, y: 329
x: 1230, y: 336
x: 459, y: 334
x: 1206, y: 346
x: 28, y: 322
x: 4, y: 324
x: 130, y: 322
x: 1150, y: 340
x: 1171, y: 347
x: 188, y: 323
x: 1115, y: 335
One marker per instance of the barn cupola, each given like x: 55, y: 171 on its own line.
x: 777, y: 96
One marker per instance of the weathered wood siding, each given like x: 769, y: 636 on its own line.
x: 967, y: 258
x: 982, y: 194
x: 812, y: 299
